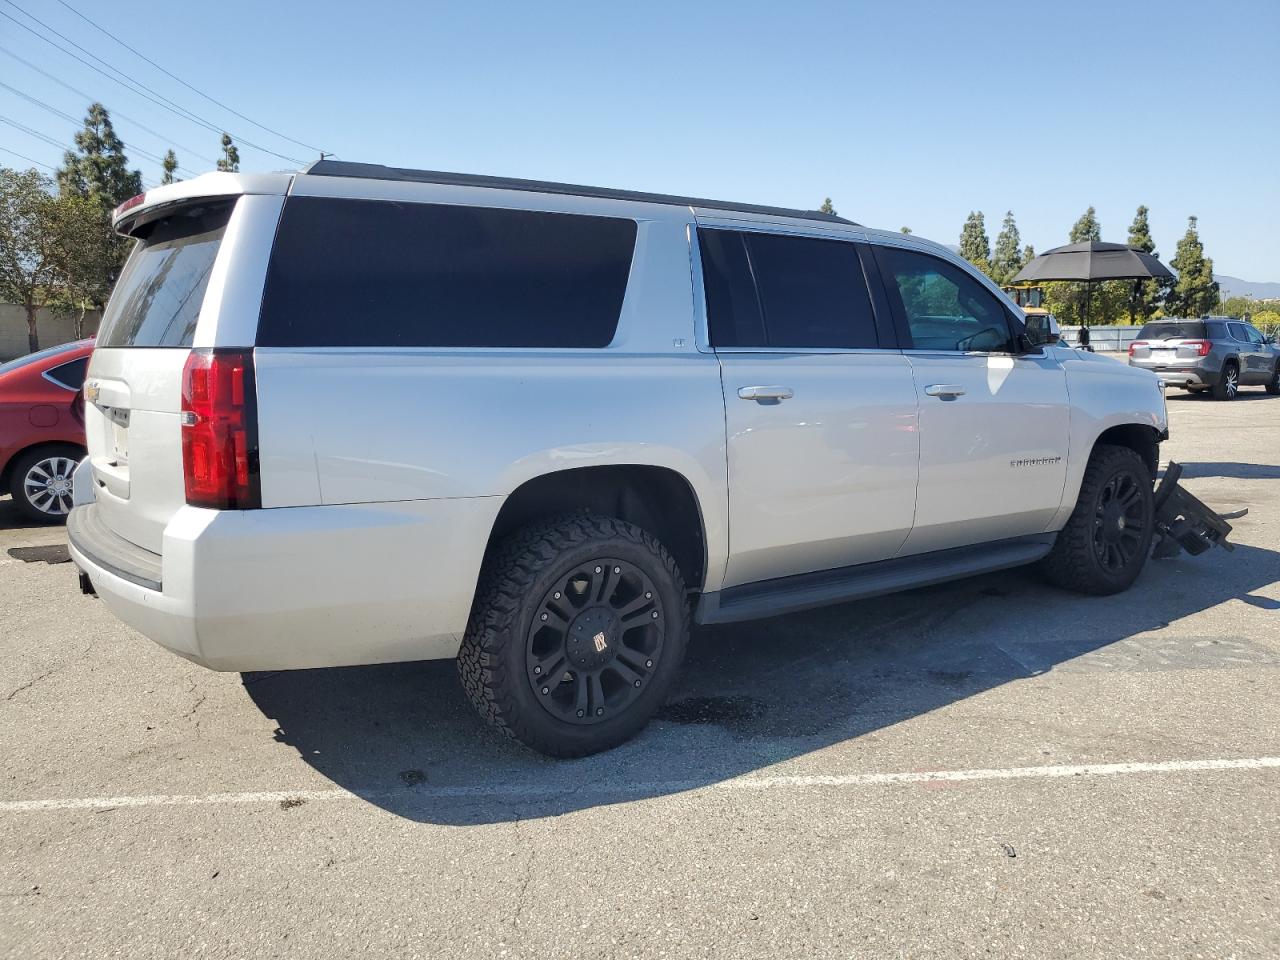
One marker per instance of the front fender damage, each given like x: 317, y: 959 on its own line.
x: 1184, y: 522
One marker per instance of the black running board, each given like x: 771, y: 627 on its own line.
x: 806, y: 591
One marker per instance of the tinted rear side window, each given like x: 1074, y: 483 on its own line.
x: 1172, y: 330
x: 70, y: 375
x: 157, y: 299
x: 368, y: 273
x: 787, y: 292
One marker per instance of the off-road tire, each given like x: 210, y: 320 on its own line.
x: 517, y: 575
x: 1273, y: 385
x: 1074, y: 562
x: 1222, y: 390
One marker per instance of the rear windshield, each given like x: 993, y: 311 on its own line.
x: 1173, y: 330
x: 376, y: 273
x: 157, y: 298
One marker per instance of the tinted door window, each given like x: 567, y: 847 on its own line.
x: 785, y: 292
x: 944, y: 307
x: 69, y: 375
x: 365, y: 273
x: 1238, y: 332
x: 1255, y: 335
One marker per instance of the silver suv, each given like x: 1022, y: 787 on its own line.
x: 1220, y: 354
x: 361, y: 414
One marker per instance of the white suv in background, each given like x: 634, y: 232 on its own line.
x: 362, y: 414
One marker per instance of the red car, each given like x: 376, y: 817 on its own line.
x: 42, y: 427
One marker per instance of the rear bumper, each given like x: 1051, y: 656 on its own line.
x: 1183, y: 376
x: 296, y: 587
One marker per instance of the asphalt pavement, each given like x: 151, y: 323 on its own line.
x: 987, y: 767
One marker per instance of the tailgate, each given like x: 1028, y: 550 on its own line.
x: 133, y: 390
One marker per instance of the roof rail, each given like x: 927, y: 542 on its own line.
x: 376, y: 171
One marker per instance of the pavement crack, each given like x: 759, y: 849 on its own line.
x: 526, y: 877
x: 31, y: 683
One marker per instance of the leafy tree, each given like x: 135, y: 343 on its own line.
x: 1087, y: 227
x: 1028, y: 254
x: 230, y: 162
x: 827, y: 207
x: 28, y: 249
x: 170, y: 166
x: 98, y: 169
x: 1195, y: 292
x: 1145, y: 295
x: 1007, y: 259
x: 85, y: 254
x: 975, y: 246
x: 904, y: 229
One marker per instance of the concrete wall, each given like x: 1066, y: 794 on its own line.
x: 52, y: 328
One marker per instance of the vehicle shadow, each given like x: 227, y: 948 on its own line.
x: 11, y: 518
x: 752, y: 695
x: 1245, y: 393
x: 1230, y: 470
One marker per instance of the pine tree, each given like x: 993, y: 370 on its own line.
x: 98, y: 173
x: 827, y: 207
x: 1087, y: 227
x: 1028, y: 254
x: 1145, y: 295
x: 1007, y: 259
x: 170, y: 167
x: 230, y: 162
x: 975, y: 246
x: 1195, y: 292
x: 99, y: 169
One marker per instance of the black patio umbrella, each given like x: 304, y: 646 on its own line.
x: 1090, y: 262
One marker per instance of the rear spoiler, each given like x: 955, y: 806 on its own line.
x: 148, y: 206
x: 1184, y: 522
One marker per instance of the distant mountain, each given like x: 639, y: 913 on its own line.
x: 1235, y: 287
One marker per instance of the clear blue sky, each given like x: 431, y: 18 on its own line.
x: 906, y: 113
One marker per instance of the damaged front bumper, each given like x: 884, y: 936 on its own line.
x: 1184, y: 522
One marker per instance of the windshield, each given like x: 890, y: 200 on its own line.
x: 1173, y: 330
x: 39, y: 355
x: 157, y: 299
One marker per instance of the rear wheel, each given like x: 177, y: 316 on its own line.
x: 1228, y: 384
x: 41, y: 482
x: 578, y: 630
x: 1107, y: 540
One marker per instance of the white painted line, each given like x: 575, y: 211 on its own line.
x: 543, y: 791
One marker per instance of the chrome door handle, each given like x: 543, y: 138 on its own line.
x: 766, y: 393
x: 944, y: 391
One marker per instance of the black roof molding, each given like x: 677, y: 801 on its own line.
x: 376, y: 171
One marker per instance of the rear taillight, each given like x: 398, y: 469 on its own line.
x: 1201, y: 347
x: 1135, y: 345
x: 220, y: 430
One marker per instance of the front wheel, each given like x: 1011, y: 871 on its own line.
x: 1273, y: 385
x: 578, y: 630
x: 1107, y: 540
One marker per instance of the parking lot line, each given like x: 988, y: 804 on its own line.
x: 516, y: 792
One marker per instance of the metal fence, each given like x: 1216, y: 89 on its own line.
x: 1103, y: 339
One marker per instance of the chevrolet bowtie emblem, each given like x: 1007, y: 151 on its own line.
x: 601, y: 645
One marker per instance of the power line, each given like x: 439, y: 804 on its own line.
x: 23, y: 156
x: 132, y: 85
x: 67, y: 116
x: 53, y: 141
x: 173, y: 76
x: 115, y: 113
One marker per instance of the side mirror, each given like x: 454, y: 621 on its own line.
x: 1043, y: 329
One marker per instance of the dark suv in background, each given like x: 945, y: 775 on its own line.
x: 1220, y: 354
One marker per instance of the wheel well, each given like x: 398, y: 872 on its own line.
x: 6, y: 472
x: 655, y: 498
x: 1141, y: 439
